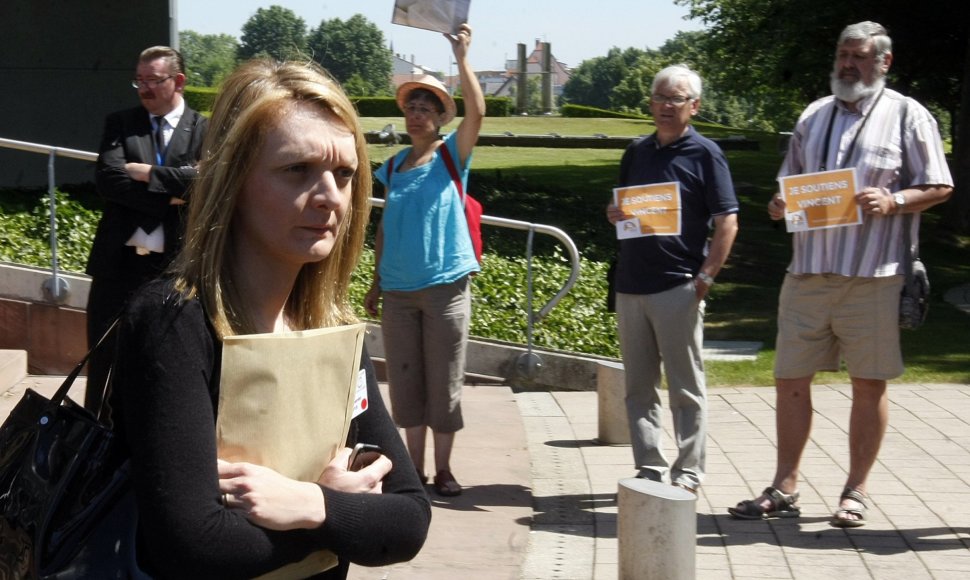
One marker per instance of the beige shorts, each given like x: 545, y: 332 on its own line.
x: 825, y: 318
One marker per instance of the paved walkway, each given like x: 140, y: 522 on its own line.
x: 919, y: 521
x: 540, y: 501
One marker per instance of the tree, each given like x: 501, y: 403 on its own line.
x: 208, y: 57
x: 622, y: 81
x: 354, y: 49
x: 632, y: 94
x: 533, y: 95
x: 579, y: 89
x: 723, y: 100
x: 276, y: 32
x: 784, y: 48
x: 593, y: 80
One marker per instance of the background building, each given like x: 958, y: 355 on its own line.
x: 65, y: 67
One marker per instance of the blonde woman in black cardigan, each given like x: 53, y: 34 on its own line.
x: 275, y: 230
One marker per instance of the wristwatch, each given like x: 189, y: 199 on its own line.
x: 900, y: 201
x: 705, y: 279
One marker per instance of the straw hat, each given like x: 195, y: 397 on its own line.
x: 432, y: 84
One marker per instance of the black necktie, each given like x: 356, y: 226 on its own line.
x: 160, y: 136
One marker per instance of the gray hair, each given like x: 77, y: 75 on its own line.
x: 672, y: 74
x: 866, y: 30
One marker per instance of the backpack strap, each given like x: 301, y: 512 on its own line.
x: 390, y: 170
x: 452, y: 170
x: 449, y: 163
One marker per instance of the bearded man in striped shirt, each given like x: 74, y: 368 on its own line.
x: 840, y: 297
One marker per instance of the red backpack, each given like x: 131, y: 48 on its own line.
x: 473, y: 208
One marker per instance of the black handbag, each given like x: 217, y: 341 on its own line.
x: 611, y: 286
x: 914, y: 299
x: 66, y: 509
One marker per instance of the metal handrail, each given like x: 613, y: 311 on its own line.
x: 542, y: 229
x: 57, y: 287
x: 47, y: 149
x: 60, y: 283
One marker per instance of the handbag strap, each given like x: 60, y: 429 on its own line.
x: 908, y: 255
x: 61, y: 393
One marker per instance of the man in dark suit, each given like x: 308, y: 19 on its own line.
x: 146, y: 161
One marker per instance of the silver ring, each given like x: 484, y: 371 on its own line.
x: 225, y: 499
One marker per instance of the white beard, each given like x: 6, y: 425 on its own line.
x: 850, y: 92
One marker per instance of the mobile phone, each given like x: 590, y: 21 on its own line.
x: 363, y: 455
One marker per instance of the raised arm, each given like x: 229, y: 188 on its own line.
x: 471, y: 93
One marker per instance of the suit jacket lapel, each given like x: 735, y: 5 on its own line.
x: 181, y: 136
x: 143, y: 136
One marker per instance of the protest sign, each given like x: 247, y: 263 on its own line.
x: 656, y: 209
x: 825, y: 199
x: 437, y: 15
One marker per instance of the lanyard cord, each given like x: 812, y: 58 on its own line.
x: 823, y: 161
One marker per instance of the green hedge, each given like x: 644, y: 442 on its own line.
x: 594, y: 113
x: 387, y: 106
x: 376, y: 106
x: 201, y: 98
x: 494, y: 106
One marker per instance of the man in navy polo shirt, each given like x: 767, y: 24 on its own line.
x: 662, y: 280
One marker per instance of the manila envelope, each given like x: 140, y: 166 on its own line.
x: 285, y: 402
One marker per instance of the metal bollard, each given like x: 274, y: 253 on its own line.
x: 657, y: 531
x: 614, y: 427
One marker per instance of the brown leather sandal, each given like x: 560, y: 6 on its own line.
x: 782, y: 505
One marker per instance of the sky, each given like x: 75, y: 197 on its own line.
x: 577, y: 30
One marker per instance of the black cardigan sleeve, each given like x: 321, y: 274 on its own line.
x: 378, y: 529
x: 164, y: 392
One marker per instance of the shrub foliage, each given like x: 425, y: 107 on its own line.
x: 579, y: 323
x: 25, y: 233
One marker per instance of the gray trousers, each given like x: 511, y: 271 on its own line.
x: 425, y: 340
x: 665, y: 328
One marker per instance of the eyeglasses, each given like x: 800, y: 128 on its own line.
x: 415, y: 109
x: 677, y: 101
x: 149, y: 83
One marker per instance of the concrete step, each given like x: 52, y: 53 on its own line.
x: 13, y: 368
